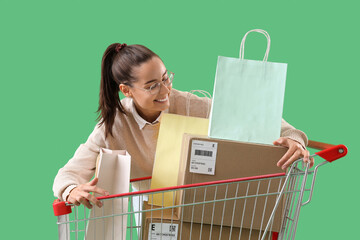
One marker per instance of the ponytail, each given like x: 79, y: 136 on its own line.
x: 116, y: 68
x: 109, y: 100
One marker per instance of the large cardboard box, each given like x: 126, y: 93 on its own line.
x: 232, y: 160
x: 161, y: 226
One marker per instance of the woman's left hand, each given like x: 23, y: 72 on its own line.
x: 294, y: 152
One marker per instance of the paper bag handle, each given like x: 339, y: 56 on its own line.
x: 204, y: 93
x: 242, y: 45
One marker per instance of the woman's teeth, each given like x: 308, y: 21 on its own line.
x: 161, y: 100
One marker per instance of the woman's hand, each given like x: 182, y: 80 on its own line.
x: 296, y: 151
x: 81, y: 194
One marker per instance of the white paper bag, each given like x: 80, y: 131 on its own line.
x: 113, y: 171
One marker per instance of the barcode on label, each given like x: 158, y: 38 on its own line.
x: 203, y: 153
x: 209, y: 169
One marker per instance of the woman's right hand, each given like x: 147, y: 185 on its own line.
x: 81, y: 194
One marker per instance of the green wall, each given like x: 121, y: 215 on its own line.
x: 50, y: 55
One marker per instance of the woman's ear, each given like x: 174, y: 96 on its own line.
x: 125, y: 90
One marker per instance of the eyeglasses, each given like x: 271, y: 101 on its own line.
x: 155, y: 88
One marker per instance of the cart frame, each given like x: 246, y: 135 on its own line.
x: 290, y: 194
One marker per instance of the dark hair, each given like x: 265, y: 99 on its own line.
x: 116, y: 68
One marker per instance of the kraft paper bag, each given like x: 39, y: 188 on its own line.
x: 248, y: 98
x: 167, y: 156
x: 113, y: 171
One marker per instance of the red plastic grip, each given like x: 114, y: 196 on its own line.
x: 333, y: 153
x: 60, y: 208
x: 275, y: 235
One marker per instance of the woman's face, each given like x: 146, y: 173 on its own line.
x: 149, y: 106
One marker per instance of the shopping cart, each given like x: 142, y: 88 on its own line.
x: 258, y: 207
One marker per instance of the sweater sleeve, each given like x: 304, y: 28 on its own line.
x: 81, y: 167
x: 289, y: 131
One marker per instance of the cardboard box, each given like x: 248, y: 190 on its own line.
x: 233, y: 160
x: 155, y: 215
x: 160, y: 225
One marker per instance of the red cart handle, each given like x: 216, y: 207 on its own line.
x: 60, y: 208
x: 333, y: 153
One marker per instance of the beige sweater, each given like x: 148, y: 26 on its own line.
x: 138, y: 139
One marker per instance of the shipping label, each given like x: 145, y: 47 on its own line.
x: 163, y: 231
x: 203, y: 157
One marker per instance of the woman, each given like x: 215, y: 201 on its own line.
x: 133, y: 123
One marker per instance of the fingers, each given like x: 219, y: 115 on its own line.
x: 281, y: 142
x: 91, y: 187
x: 286, y: 156
x: 93, y: 182
x: 91, y: 197
x: 87, y: 198
x: 311, y: 162
x: 290, y: 152
x: 295, y: 151
x: 287, y: 160
x: 295, y: 156
x: 82, y: 199
x: 95, y: 189
x: 81, y: 194
x: 307, y: 158
x: 71, y: 198
x: 73, y: 201
x: 306, y: 155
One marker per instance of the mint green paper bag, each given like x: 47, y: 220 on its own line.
x: 248, y: 98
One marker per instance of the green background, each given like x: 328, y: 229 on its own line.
x: 50, y: 73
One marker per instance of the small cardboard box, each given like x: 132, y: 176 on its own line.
x: 160, y: 226
x: 161, y: 221
x: 157, y: 215
x: 232, y: 160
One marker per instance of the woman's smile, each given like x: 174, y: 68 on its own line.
x: 162, y: 100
